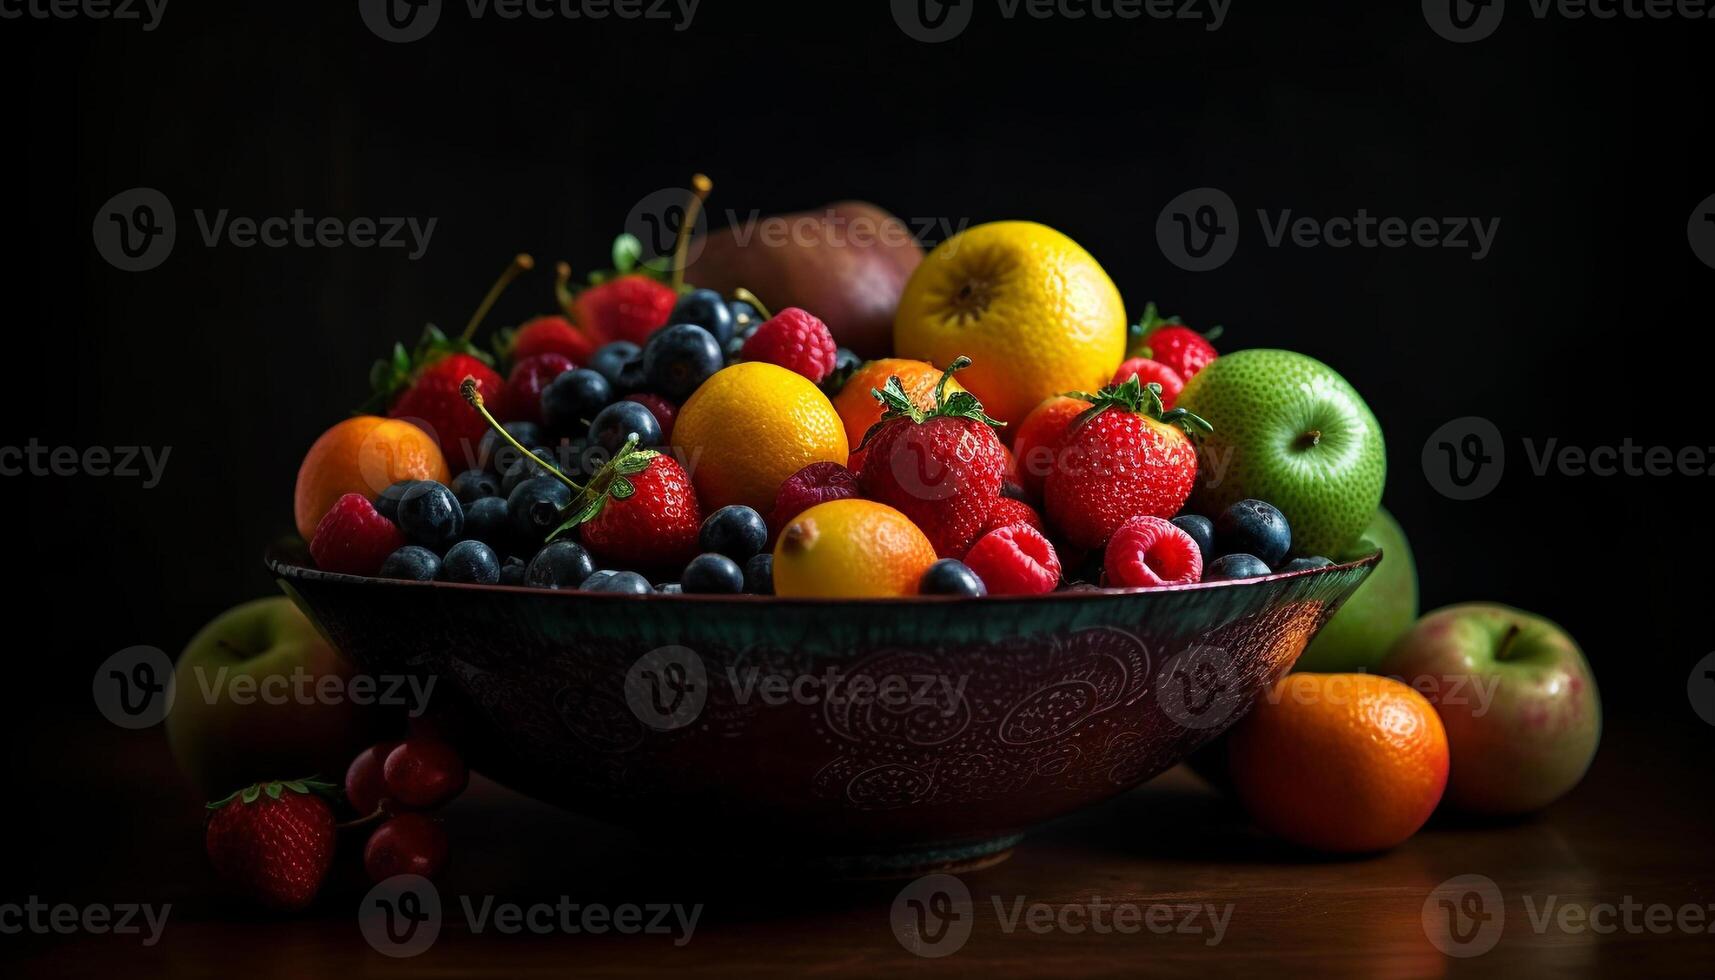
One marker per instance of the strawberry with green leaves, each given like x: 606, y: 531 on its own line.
x: 638, y: 512
x: 1124, y: 457
x: 943, y: 467
x: 273, y: 841
x: 628, y: 302
x: 1169, y: 342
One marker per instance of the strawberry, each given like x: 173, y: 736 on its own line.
x: 795, y: 340
x: 943, y: 468
x: 630, y: 307
x: 354, y: 538
x: 1146, y: 370
x: 1123, y: 458
x: 549, y: 335
x: 1173, y: 344
x: 1033, y: 445
x: 1007, y: 512
x: 638, y: 512
x: 274, y: 841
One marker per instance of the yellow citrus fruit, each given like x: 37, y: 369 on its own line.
x: 363, y: 454
x: 860, y: 410
x: 1031, y: 309
x: 850, y: 548
x: 749, y: 428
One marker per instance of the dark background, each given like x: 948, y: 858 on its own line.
x: 541, y: 135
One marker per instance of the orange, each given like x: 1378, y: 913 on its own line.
x: 1030, y: 307
x: 363, y: 454
x: 749, y: 428
x: 1036, y: 439
x: 851, y: 548
x: 1340, y: 762
x: 860, y: 410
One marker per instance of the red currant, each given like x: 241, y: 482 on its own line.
x: 364, y: 786
x: 408, y: 844
x: 423, y: 772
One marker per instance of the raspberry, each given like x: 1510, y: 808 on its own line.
x: 354, y: 538
x: 796, y: 341
x: 1015, y: 560
x: 1008, y: 511
x: 1148, y: 551
x: 1146, y: 370
x: 815, y: 484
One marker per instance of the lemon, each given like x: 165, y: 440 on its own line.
x: 1033, y: 311
x: 851, y: 548
x: 749, y: 428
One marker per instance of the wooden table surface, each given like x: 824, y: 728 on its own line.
x: 1634, y: 838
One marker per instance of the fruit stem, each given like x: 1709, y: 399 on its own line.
x: 1309, y: 439
x: 467, y: 388
x: 381, y: 813
x: 520, y: 263
x: 701, y: 185
x: 747, y: 296
x: 563, y: 290
x: 1507, y: 641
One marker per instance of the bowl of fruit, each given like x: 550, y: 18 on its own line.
x: 690, y: 555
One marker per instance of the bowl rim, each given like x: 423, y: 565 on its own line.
x: 284, y: 568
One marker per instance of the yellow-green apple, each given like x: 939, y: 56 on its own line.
x: 1384, y: 607
x: 261, y: 695
x: 847, y: 263
x: 1516, y: 697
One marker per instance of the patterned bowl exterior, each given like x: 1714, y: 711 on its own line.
x: 924, y: 727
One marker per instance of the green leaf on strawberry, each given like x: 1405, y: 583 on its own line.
x: 1137, y: 335
x: 609, y: 483
x: 272, y: 789
x: 1142, y: 399
x: 896, y: 404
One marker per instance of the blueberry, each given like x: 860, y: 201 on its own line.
x: 1306, y: 564
x: 1253, y: 527
x: 387, y: 503
x: 430, y: 515
x: 1202, y: 531
x: 949, y: 576
x: 759, y: 574
x: 512, y: 572
x: 608, y: 359
x: 712, y: 574
x: 745, y: 317
x: 620, y: 421
x: 573, y: 398
x: 473, y: 485
x: 471, y: 561
x: 413, y: 563
x: 1237, y: 565
x: 495, y: 451
x: 679, y: 358
x: 523, y: 468
x: 534, y: 506
x: 487, y: 520
x: 627, y: 582
x: 846, y: 363
x: 735, y: 531
x: 631, y: 378
x: 560, y: 565
x: 705, y: 308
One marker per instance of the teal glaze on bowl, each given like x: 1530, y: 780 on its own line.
x: 1007, y: 711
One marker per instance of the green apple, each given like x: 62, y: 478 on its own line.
x: 1516, y: 697
x: 261, y: 695
x: 1291, y: 431
x: 1385, y: 606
